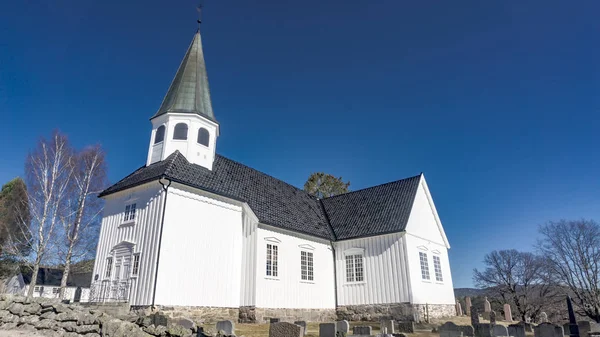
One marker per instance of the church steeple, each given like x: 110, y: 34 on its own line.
x: 189, y: 91
x: 185, y: 120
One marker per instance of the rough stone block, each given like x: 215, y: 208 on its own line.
x: 284, y: 329
x: 16, y: 309
x: 327, y: 330
x: 227, y: 326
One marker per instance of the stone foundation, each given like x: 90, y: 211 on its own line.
x: 196, y: 314
x: 262, y: 315
x: 397, y: 311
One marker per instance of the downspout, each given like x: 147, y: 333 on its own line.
x: 335, y: 289
x: 162, y: 222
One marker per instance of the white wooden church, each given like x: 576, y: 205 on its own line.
x: 194, y: 230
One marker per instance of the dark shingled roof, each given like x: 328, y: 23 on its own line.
x: 53, y: 276
x: 376, y: 210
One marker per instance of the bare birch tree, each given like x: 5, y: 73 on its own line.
x: 572, y: 251
x: 80, y: 219
x: 48, y: 172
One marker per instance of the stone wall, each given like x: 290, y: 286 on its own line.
x: 197, y: 314
x: 262, y: 315
x: 396, y: 311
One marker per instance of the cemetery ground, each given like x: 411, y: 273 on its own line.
x: 421, y: 329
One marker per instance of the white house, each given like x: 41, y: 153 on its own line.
x: 194, y: 230
x: 48, y: 284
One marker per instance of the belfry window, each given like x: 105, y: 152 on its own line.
x: 160, y: 134
x: 203, y: 136
x: 181, y: 131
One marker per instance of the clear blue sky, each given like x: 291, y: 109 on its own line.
x: 497, y: 102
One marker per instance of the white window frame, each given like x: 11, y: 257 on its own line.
x: 424, y: 263
x: 437, y: 268
x: 130, y: 213
x: 109, y: 266
x: 55, y: 290
x: 37, y: 289
x: 307, y: 266
x: 354, y: 269
x: 135, y: 265
x: 272, y: 260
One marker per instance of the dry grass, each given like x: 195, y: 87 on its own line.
x: 262, y: 330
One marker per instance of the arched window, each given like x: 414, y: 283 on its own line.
x: 160, y: 134
x: 181, y: 130
x: 203, y: 136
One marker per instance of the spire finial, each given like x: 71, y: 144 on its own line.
x: 199, y: 9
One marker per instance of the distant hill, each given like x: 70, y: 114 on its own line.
x: 462, y: 292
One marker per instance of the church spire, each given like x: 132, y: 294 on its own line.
x: 189, y: 91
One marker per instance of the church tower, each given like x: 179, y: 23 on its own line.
x: 185, y: 120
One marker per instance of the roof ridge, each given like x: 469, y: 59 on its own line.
x: 171, y: 158
x: 270, y: 176
x: 370, y: 187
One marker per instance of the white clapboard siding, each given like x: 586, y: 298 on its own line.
x: 142, y: 235
x: 288, y: 290
x: 248, y: 281
x: 201, y: 254
x: 386, y: 277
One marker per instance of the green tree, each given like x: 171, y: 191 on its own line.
x: 14, y: 219
x: 323, y: 185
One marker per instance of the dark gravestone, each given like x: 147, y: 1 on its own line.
x: 327, y: 330
x: 273, y: 320
x: 516, y: 330
x: 499, y: 331
x: 407, y: 327
x: 492, y: 317
x: 159, y: 319
x: 573, y: 327
x: 483, y: 330
x: 474, y: 316
x: 362, y: 330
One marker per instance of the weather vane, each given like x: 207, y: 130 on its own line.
x: 199, y: 9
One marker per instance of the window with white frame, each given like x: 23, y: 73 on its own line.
x: 437, y: 266
x: 108, y: 271
x: 424, y: 266
x: 354, y: 268
x: 55, y: 290
x: 272, y: 252
x: 37, y: 289
x: 306, y: 266
x: 129, y: 212
x: 136, y: 264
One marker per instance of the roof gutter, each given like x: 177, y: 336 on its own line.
x: 162, y: 223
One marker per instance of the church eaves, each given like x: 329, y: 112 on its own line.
x: 189, y: 91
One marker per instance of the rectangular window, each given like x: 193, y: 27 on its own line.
x: 306, y: 266
x: 437, y: 266
x: 354, y: 268
x: 37, y: 289
x: 129, y: 213
x: 272, y: 260
x: 108, y: 267
x: 55, y: 290
x: 424, y: 266
x: 136, y: 264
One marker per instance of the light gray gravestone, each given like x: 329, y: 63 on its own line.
x: 227, y: 326
x: 362, y: 330
x: 386, y: 326
x: 507, y: 313
x: 499, y: 331
x: 483, y: 330
x: 585, y: 328
x: 302, y: 324
x: 548, y: 330
x: 285, y: 329
x: 487, y: 307
x: 343, y: 326
x: 468, y: 305
x: 327, y: 330
x: 543, y: 317
x: 458, y: 309
x: 516, y: 330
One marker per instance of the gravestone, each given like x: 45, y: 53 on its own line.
x: 543, y: 317
x: 567, y: 329
x: 468, y: 305
x: 516, y: 330
x: 474, y: 316
x: 284, y: 329
x: 458, y: 309
x: 507, y: 313
x: 302, y: 324
x: 343, y: 326
x: 226, y: 326
x: 407, y: 327
x: 362, y: 330
x: 558, y: 331
x: 327, y: 330
x: 273, y: 320
x: 386, y: 326
x: 548, y: 330
x: 487, y: 307
x: 184, y: 322
x: 585, y: 328
x: 499, y: 331
x: 492, y: 317
x: 483, y: 330
x: 449, y: 329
